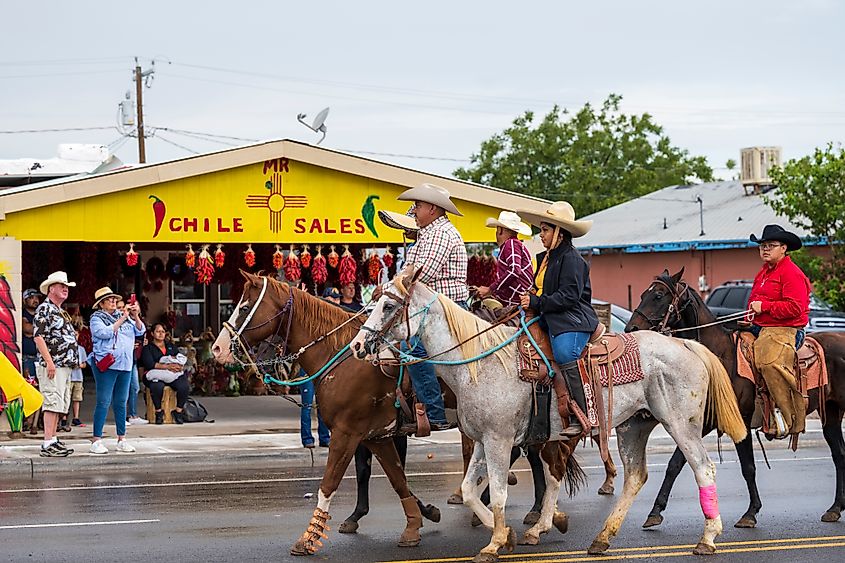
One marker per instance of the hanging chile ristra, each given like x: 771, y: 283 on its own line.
x: 319, y: 273
x: 305, y: 258
x: 219, y: 256
x: 333, y: 259
x: 190, y: 257
x: 348, y: 267
x: 374, y: 266
x: 131, y: 256
x: 387, y: 258
x: 293, y: 271
x: 278, y: 258
x: 249, y: 256
x: 205, y: 267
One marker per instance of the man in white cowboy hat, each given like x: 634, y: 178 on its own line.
x: 514, y: 273
x: 563, y: 296
x: 441, y: 255
x: 55, y: 340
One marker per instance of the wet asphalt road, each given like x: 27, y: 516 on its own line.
x: 255, y: 514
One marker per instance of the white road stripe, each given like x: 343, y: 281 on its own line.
x: 75, y: 524
x: 306, y: 479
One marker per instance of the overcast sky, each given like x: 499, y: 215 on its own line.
x: 429, y: 79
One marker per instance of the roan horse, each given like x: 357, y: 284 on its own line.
x: 356, y: 399
x: 670, y: 302
x: 680, y: 378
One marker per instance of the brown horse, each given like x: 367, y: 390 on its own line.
x: 356, y: 399
x: 670, y: 302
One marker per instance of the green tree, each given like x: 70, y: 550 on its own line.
x: 730, y: 164
x: 594, y: 158
x: 811, y: 194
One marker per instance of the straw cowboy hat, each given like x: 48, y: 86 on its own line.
x: 435, y: 195
x: 103, y: 293
x: 778, y: 234
x: 559, y: 213
x: 397, y: 220
x: 55, y: 277
x: 509, y: 220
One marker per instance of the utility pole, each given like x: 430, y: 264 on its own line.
x: 140, y: 78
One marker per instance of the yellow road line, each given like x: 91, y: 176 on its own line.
x: 627, y: 552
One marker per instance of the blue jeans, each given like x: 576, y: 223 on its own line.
x: 567, y: 346
x: 28, y: 366
x: 307, y: 396
x: 134, y: 387
x: 112, y: 389
x: 425, y: 384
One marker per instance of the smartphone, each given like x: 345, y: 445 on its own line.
x: 132, y: 299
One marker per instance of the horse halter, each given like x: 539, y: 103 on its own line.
x: 402, y: 312
x: 673, y: 312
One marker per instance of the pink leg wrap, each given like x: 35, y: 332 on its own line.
x: 709, y: 501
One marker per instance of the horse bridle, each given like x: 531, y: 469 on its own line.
x: 402, y: 311
x: 676, y: 308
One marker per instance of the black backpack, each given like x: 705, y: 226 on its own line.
x: 194, y: 411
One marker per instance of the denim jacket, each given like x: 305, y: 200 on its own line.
x: 122, y: 345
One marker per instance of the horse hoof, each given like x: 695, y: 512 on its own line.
x: 531, y: 518
x: 746, y: 522
x: 512, y: 478
x: 299, y: 548
x: 455, y: 499
x: 475, y: 521
x: 653, y: 520
x: 348, y: 527
x: 598, y: 547
x: 432, y: 513
x: 485, y: 558
x: 528, y: 539
x: 606, y: 490
x: 830, y: 516
x: 561, y: 521
x: 510, y: 544
x: 704, y: 549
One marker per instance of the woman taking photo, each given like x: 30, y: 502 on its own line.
x: 161, y: 372
x: 113, y: 334
x: 563, y: 295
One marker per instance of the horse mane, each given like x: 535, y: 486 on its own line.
x: 464, y: 325
x: 316, y: 316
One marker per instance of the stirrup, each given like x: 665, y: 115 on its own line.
x: 574, y: 430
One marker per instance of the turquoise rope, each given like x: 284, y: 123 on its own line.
x: 533, y: 343
x: 270, y: 379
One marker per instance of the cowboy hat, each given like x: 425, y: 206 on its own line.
x: 509, y: 220
x: 397, y: 220
x: 435, y: 195
x: 103, y: 293
x: 779, y: 234
x: 55, y: 277
x: 559, y: 213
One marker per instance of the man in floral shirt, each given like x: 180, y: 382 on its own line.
x: 55, y: 340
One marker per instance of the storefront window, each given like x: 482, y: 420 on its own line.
x: 189, y: 305
x: 226, y: 305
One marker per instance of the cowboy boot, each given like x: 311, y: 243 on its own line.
x: 576, y: 391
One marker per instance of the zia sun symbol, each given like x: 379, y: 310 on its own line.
x: 275, y: 201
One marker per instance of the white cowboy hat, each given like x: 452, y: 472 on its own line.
x: 55, y: 277
x: 435, y: 195
x: 397, y: 220
x: 509, y: 220
x: 559, y: 213
x: 104, y: 293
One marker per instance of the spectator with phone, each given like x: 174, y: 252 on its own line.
x: 132, y: 417
x: 114, y: 335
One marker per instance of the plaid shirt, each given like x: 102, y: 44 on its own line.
x: 441, y: 254
x: 514, y: 273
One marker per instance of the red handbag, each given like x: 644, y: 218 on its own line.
x: 105, y: 362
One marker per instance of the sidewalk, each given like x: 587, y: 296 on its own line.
x: 247, y: 430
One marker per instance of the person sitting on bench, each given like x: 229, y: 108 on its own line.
x: 160, y: 375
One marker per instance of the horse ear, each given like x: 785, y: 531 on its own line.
x: 665, y: 273
x: 416, y: 275
x: 677, y: 277
x: 247, y: 276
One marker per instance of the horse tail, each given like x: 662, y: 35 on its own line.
x: 721, y: 399
x: 560, y: 457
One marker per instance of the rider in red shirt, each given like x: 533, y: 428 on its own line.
x: 780, y: 301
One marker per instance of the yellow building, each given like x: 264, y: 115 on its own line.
x: 279, y: 192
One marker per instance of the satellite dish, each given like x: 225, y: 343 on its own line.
x: 319, y: 124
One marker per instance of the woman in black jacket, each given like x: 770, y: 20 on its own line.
x: 158, y: 374
x: 563, y: 295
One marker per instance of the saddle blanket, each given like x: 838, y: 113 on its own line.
x: 626, y: 369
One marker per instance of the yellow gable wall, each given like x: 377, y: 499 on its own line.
x: 301, y: 202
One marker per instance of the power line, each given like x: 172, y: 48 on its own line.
x: 55, y: 62
x: 175, y: 144
x: 53, y: 74
x: 57, y: 130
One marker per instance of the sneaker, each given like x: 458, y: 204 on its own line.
x: 177, y: 417
x: 54, y: 450
x: 125, y: 447
x: 159, y: 417
x: 77, y: 422
x: 62, y: 446
x: 137, y: 421
x: 98, y: 448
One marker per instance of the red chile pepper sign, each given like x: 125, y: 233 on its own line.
x: 192, y: 224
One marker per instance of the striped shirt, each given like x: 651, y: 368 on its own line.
x: 514, y: 273
x: 442, y: 256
